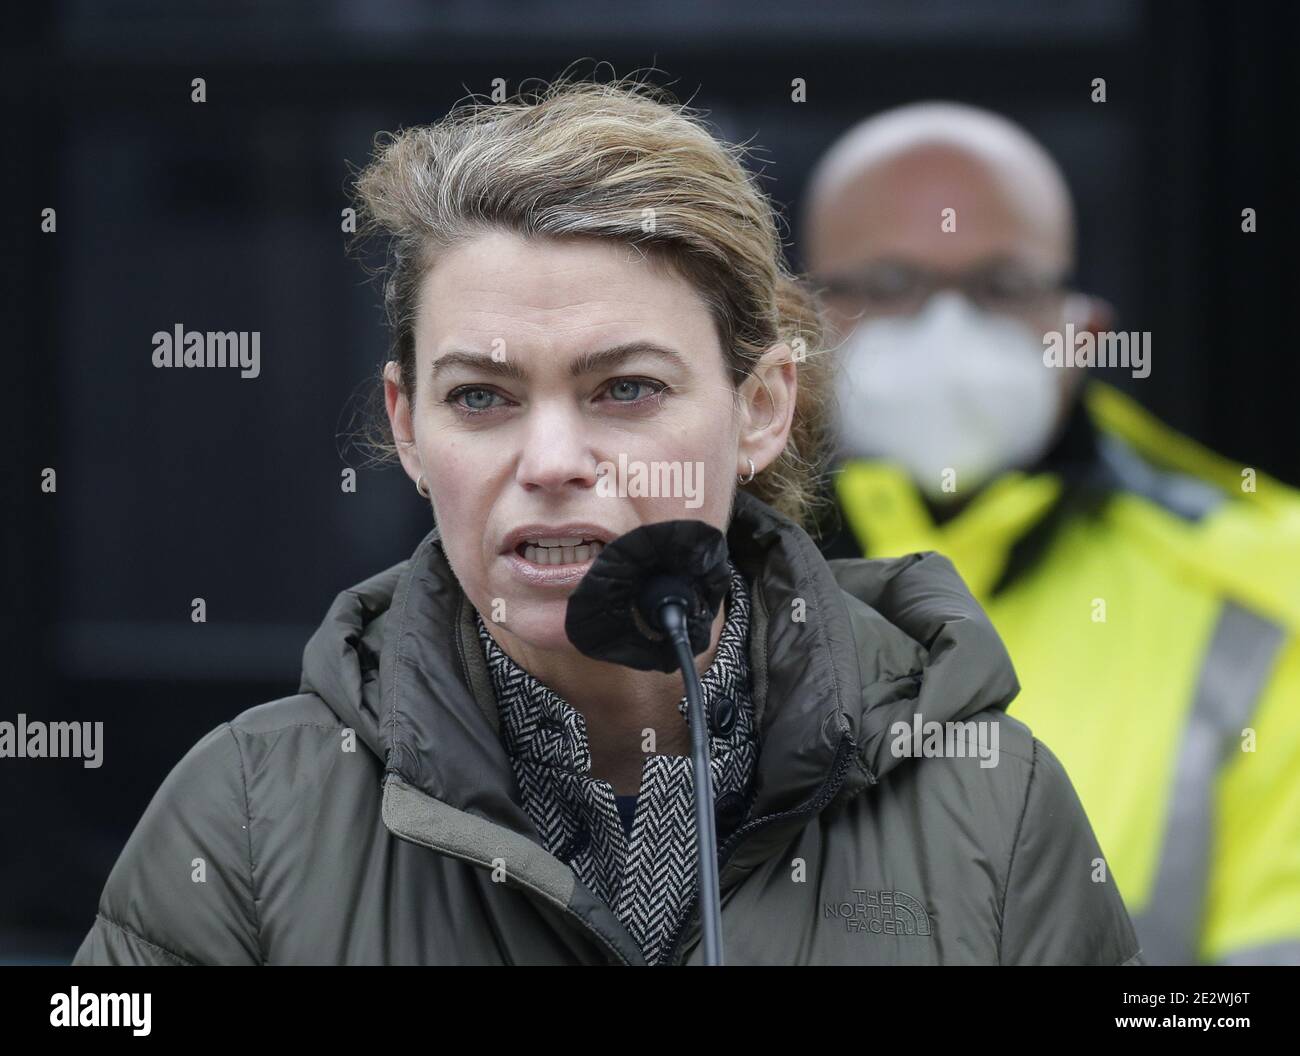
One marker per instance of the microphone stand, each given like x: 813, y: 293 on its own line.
x: 657, y: 586
x: 672, y: 618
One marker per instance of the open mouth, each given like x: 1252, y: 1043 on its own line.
x: 569, y: 551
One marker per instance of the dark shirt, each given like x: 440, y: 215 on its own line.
x: 626, y: 811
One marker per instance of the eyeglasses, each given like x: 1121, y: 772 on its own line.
x: 901, y: 289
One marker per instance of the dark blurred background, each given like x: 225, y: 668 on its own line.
x: 226, y: 216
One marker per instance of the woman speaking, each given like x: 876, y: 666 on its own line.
x: 593, y: 330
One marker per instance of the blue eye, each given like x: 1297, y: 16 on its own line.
x: 478, y: 399
x: 453, y: 398
x: 633, y: 383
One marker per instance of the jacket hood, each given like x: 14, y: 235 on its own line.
x: 840, y: 651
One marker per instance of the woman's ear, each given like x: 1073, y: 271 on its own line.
x: 400, y: 420
x: 767, y: 400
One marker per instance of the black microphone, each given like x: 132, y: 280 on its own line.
x: 648, y: 602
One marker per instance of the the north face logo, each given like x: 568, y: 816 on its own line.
x: 882, y: 913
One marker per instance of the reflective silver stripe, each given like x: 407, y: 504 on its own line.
x: 1273, y: 953
x: 1186, y: 496
x: 1236, y: 667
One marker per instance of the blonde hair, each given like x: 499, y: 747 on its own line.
x: 580, y: 158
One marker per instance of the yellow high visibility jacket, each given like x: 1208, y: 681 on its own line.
x: 1157, y: 641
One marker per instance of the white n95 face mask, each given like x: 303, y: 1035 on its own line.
x: 951, y: 388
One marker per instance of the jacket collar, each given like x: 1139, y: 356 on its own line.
x: 439, y: 725
x: 996, y: 536
x: 838, y: 652
x: 831, y: 644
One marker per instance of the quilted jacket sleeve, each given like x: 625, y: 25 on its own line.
x: 1062, y: 905
x: 181, y: 891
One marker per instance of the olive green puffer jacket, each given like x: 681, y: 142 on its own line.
x: 360, y: 820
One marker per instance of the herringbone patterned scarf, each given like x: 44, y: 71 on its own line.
x: 648, y: 878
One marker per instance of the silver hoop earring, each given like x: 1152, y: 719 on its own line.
x: 422, y: 487
x: 746, y: 480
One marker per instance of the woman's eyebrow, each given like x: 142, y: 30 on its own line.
x: 587, y: 363
x: 477, y: 361
x: 591, y: 362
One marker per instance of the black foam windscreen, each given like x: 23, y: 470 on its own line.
x: 610, y: 613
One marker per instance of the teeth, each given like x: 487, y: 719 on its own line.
x: 561, y: 552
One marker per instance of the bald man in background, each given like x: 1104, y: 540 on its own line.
x: 1148, y: 590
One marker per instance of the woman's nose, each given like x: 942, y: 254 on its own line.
x: 556, y: 453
